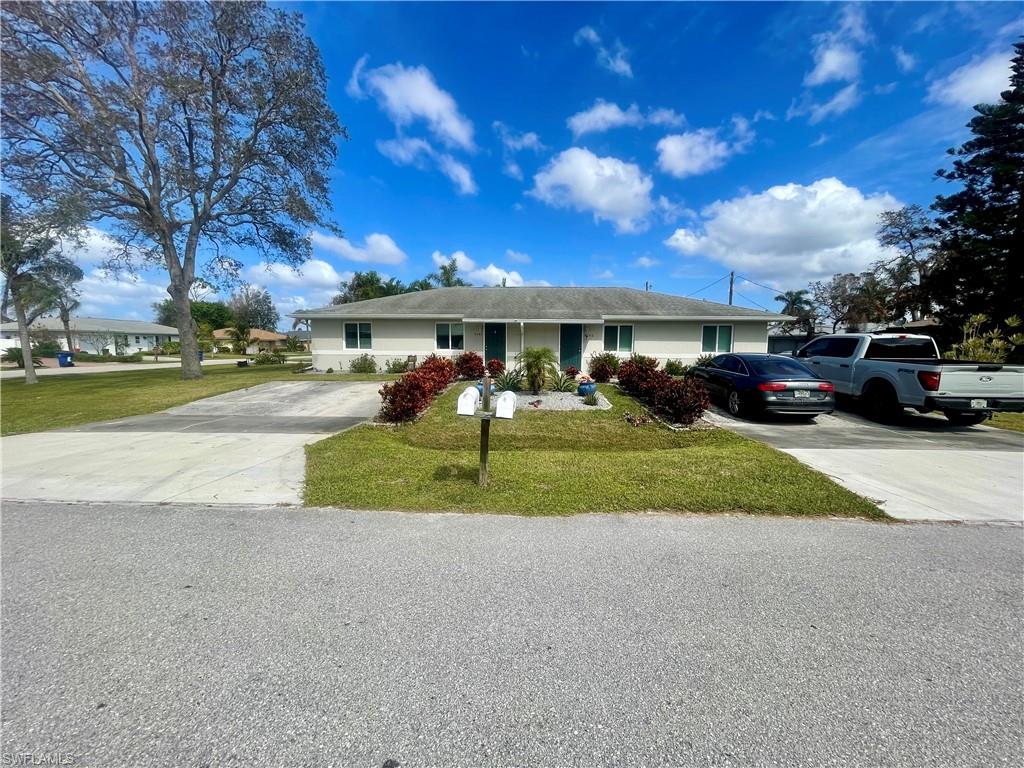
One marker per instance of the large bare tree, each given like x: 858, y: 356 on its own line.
x: 191, y: 127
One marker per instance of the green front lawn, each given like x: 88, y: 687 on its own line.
x: 72, y: 399
x: 565, y: 463
x: 1014, y: 421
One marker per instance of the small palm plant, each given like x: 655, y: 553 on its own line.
x: 241, y: 338
x: 537, y: 363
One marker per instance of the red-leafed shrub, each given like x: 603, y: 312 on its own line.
x: 682, y: 401
x: 571, y: 371
x: 635, y: 372
x: 411, y: 394
x: 495, y: 367
x: 469, y: 365
x: 603, y: 365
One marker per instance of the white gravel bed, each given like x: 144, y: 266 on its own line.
x: 559, y: 401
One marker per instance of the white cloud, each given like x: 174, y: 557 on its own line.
x: 692, y: 153
x: 905, y: 61
x: 352, y: 88
x: 981, y: 80
x: 611, y: 189
x: 377, y: 248
x: 616, y: 60
x: 128, y: 296
x: 606, y: 274
x: 462, y: 261
x: 419, y: 153
x: 517, y: 257
x: 311, y: 286
x: 833, y: 62
x: 408, y: 94
x: 821, y: 140
x: 604, y: 116
x: 844, y: 100
x: 790, y: 234
x: 513, y: 142
x: 492, y: 275
x: 646, y: 261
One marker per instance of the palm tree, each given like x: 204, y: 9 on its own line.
x: 67, y: 302
x: 537, y: 363
x: 447, y: 275
x: 241, y: 337
x: 33, y: 267
x: 799, y: 305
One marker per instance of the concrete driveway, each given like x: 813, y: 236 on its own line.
x: 240, y: 447
x: 921, y: 468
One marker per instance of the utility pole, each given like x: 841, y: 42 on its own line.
x: 732, y: 279
x: 647, y: 285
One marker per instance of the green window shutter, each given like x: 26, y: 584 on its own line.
x: 625, y: 338
x: 351, y: 336
x: 611, y: 338
x: 707, y: 343
x: 365, y: 341
x: 725, y: 338
x: 458, y: 335
x: 442, y: 334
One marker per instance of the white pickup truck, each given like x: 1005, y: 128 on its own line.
x: 888, y: 372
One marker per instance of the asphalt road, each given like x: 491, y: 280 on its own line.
x: 219, y: 636
x: 919, y: 468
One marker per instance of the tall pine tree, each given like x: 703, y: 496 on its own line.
x: 981, y: 227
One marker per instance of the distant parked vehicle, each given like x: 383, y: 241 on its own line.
x: 887, y: 372
x: 750, y: 384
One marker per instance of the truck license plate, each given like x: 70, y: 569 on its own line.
x: 979, y: 403
x: 801, y: 393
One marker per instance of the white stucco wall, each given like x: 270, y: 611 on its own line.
x: 396, y: 338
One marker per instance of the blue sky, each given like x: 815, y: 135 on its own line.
x: 616, y: 144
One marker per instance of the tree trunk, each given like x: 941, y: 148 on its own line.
x: 67, y: 332
x: 190, y: 368
x: 26, y: 342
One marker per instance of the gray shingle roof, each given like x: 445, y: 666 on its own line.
x: 97, y: 325
x: 540, y: 303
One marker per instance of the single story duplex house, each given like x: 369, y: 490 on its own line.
x: 500, y: 322
x: 95, y: 334
x: 260, y: 340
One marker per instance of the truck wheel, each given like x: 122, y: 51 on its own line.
x: 961, y: 419
x: 880, y: 402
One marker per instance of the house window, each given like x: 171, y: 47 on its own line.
x: 450, y: 336
x: 618, y: 338
x: 136, y: 339
x: 357, y: 336
x: 716, y: 339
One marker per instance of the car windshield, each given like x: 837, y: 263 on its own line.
x: 782, y: 368
x: 914, y: 349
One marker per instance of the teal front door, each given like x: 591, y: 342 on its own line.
x: 570, y: 346
x: 494, y: 342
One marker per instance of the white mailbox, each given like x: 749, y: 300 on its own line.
x: 505, y: 405
x: 467, y: 402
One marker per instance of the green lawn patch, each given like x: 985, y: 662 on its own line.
x: 1013, y: 421
x: 566, y: 463
x: 72, y: 399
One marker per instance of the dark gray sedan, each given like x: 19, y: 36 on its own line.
x: 750, y: 384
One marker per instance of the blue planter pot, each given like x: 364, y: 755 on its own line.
x: 480, y: 388
x: 588, y: 389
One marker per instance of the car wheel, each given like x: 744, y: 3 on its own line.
x: 881, y: 403
x: 734, y: 403
x: 960, y: 419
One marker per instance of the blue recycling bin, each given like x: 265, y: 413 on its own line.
x: 65, y: 360
x: 200, y: 355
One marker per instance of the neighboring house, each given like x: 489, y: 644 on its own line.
x: 95, y: 334
x: 499, y: 322
x: 259, y: 340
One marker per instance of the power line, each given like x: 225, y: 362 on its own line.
x: 742, y: 277
x: 762, y: 306
x: 706, y: 286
